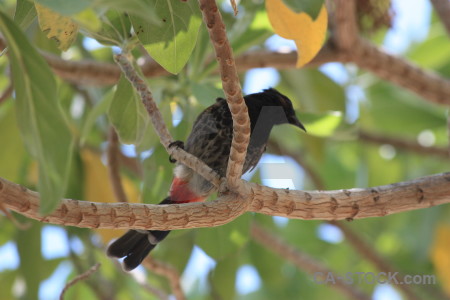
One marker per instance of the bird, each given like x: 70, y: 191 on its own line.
x: 210, y: 141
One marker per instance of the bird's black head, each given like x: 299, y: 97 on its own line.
x: 269, y: 102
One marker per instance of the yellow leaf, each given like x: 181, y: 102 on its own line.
x: 57, y: 27
x: 308, y: 34
x: 440, y: 255
x: 98, y: 188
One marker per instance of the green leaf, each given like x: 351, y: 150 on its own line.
x: 99, y: 109
x: 127, y: 114
x: 396, y: 111
x: 66, y: 7
x: 170, y: 43
x: 115, y: 29
x: 176, y: 249
x: 205, y: 93
x: 29, y: 250
x: 219, y: 242
x: 12, y: 152
x: 311, y: 7
x: 25, y: 13
x: 137, y: 8
x: 89, y: 20
x: 41, y: 120
x: 314, y: 90
x: 321, y: 124
x: 223, y: 277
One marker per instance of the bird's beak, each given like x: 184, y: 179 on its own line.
x: 294, y: 121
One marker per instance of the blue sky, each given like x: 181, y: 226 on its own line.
x: 411, y: 25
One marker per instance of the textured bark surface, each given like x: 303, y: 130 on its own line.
x: 231, y: 88
x: 309, y: 205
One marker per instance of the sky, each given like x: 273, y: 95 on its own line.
x: 411, y: 25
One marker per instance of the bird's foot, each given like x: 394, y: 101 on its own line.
x: 178, y: 144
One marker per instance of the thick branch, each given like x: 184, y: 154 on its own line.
x: 345, y: 34
x: 232, y: 90
x: 442, y: 8
x: 303, y: 261
x: 424, y: 83
x: 89, y: 72
x: 309, y: 205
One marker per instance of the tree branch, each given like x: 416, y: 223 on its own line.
x: 345, y: 35
x: 159, y: 125
x: 232, y: 89
x: 309, y: 205
x: 302, y: 261
x: 167, y: 271
x: 114, y: 167
x: 371, y: 255
x: 403, y: 144
x: 442, y: 9
x: 425, y: 83
x: 80, y: 277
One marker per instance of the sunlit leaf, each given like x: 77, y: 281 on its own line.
x: 41, y: 120
x: 60, y: 28
x: 323, y: 124
x: 88, y: 19
x: 170, y: 43
x: 308, y: 34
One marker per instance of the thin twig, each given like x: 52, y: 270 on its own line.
x: 167, y: 271
x: 79, y: 278
x: 159, y: 125
x: 21, y: 226
x: 302, y: 261
x: 232, y: 90
x: 112, y: 152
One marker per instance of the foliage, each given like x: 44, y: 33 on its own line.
x: 54, y: 134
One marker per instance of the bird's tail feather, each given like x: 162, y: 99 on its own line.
x: 135, y: 245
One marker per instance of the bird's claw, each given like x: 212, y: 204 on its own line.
x: 178, y: 144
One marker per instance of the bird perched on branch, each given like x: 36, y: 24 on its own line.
x: 210, y: 141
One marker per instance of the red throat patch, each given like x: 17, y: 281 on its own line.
x: 181, y: 193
